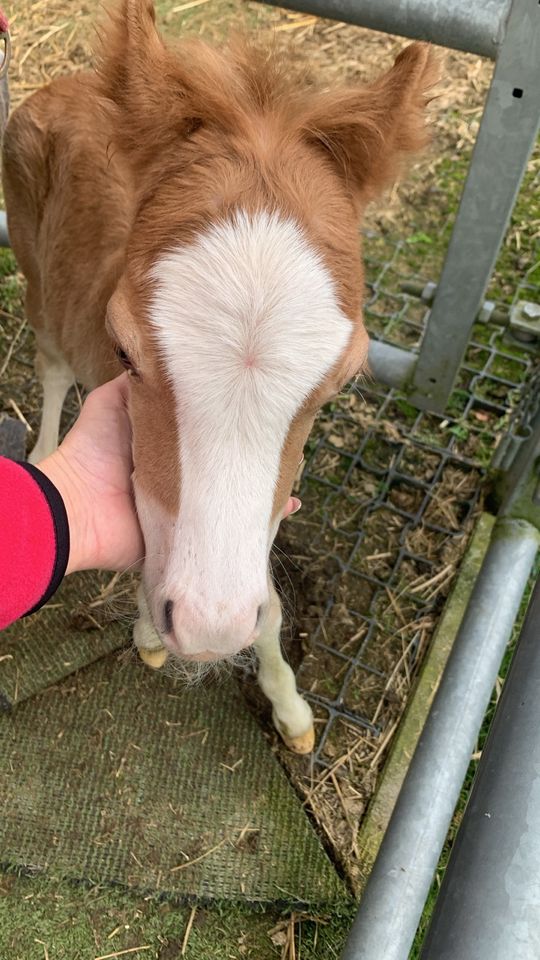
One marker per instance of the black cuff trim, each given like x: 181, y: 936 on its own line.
x: 61, y: 531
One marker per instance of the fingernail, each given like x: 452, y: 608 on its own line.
x: 297, y: 505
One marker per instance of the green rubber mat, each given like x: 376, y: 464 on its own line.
x: 119, y: 775
x: 74, y: 629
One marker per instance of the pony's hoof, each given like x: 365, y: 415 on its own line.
x: 153, y: 658
x: 302, y: 744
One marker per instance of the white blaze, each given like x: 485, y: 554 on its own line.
x: 248, y: 324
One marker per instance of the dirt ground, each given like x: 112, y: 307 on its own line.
x: 54, y: 37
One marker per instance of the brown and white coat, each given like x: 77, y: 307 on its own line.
x: 194, y: 215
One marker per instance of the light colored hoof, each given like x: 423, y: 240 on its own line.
x: 153, y: 658
x: 147, y: 639
x: 302, y: 744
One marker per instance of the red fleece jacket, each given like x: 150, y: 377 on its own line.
x: 34, y: 540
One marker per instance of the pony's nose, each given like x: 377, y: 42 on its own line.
x: 168, y: 616
x: 215, y: 631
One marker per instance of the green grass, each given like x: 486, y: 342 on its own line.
x: 426, y: 244
x: 76, y: 923
x: 12, y: 291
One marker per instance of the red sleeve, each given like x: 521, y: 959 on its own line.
x: 34, y: 539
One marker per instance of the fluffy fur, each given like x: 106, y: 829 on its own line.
x: 115, y: 181
x: 248, y: 325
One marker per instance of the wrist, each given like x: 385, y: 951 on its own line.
x: 60, y: 473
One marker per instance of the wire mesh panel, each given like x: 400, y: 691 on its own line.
x: 390, y: 495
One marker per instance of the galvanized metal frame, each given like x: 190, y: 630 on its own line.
x: 505, y: 139
x: 509, y: 33
x: 4, y: 236
x: 517, y: 456
x: 476, y: 27
x: 394, y: 897
x: 396, y: 890
x: 5, y: 57
x: 489, y: 904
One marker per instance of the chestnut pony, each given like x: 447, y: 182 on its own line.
x: 192, y: 215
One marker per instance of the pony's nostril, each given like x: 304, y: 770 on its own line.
x: 260, y: 612
x: 168, y: 609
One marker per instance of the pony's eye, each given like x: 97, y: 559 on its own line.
x: 124, y: 359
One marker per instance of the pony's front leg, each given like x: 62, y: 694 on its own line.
x: 291, y: 714
x: 145, y: 636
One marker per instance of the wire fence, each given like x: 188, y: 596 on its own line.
x: 390, y: 494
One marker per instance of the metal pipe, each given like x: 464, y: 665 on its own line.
x: 489, y: 904
x: 489, y: 312
x: 473, y: 27
x: 523, y: 471
x: 506, y: 137
x: 399, y: 883
x: 4, y: 236
x: 391, y: 365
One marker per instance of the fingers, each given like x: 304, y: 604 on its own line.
x: 122, y: 385
x: 293, y: 506
x: 103, y: 427
x: 115, y: 392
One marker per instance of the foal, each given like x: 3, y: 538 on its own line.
x: 192, y: 215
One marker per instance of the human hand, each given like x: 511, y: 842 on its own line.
x: 92, y: 471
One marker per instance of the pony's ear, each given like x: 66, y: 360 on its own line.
x: 370, y: 130
x: 143, y: 81
x: 159, y: 93
x: 131, y: 54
